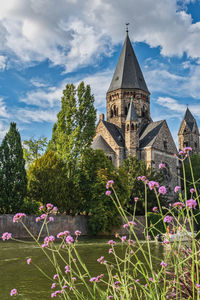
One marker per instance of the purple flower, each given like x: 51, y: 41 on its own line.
x: 67, y: 269
x: 55, y: 276
x: 18, y: 217
x: 191, y: 203
x: 177, y: 188
x: 180, y: 205
x: 155, y: 208
x: 109, y: 184
x: 37, y: 219
x: 123, y: 238
x: 181, y: 152
x: 163, y: 264
x: 136, y: 199
x: 168, y: 219
x: 43, y: 216
x: 187, y: 149
x: 49, y: 206
x: 108, y: 193
x: 162, y: 190
x: 77, y: 232
x: 6, y: 236
x: 161, y: 166
x: 100, y: 259
x: 13, y: 292
x: 69, y: 240
x: 192, y: 190
x: 53, y: 285
x: 153, y: 184
x: 132, y: 223
x: 143, y: 178
x: 93, y: 279
x: 197, y: 285
x: 111, y: 242
x: 41, y: 207
x: 139, y: 178
x: 51, y: 219
x: 125, y: 226
x: 28, y: 261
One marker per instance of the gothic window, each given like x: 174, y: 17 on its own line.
x: 127, y: 128
x: 165, y: 145
x: 110, y: 98
x: 111, y: 113
x: 128, y: 106
x: 143, y: 113
x: 167, y: 173
x: 195, y: 145
x: 110, y: 158
x: 185, y: 144
x: 126, y: 111
x: 117, y: 111
x: 132, y: 126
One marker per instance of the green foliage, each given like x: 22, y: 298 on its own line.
x: 195, y: 162
x: 13, y: 179
x: 132, y: 168
x: 156, y: 224
x: 34, y: 149
x: 47, y: 182
x: 30, y: 207
x: 75, y: 127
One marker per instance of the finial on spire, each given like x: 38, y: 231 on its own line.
x: 127, y: 24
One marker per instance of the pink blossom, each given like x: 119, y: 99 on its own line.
x: 192, y: 190
x: 191, y: 203
x: 100, y: 259
x: 163, y: 264
x: 41, y: 207
x: 43, y: 216
x: 162, y: 190
x: 60, y: 235
x: 155, y: 208
x: 55, y: 209
x: 168, y: 219
x: 110, y: 251
x: 77, y: 232
x: 153, y: 184
x: 66, y: 232
x: 181, y: 152
x: 13, y: 292
x: 166, y: 242
x: 132, y: 223
x: 177, y: 188
x: 131, y: 242
x: 51, y: 219
x: 53, y: 285
x: 143, y: 178
x: 137, y: 280
x: 64, y: 287
x: 18, y: 217
x: 55, y: 294
x: 139, y: 178
x: 187, y: 149
x: 55, y: 276
x: 161, y: 166
x: 67, y: 269
x: 108, y: 193
x: 69, y: 240
x: 28, y: 261
x: 6, y: 236
x: 136, y: 199
x: 125, y: 226
x: 110, y: 297
x: 111, y: 242
x: 180, y: 205
x: 37, y: 219
x: 109, y: 184
x: 92, y: 279
x: 123, y: 238
x: 49, y: 206
x: 197, y: 285
x: 74, y: 278
x: 51, y: 238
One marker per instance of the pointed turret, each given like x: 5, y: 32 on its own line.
x: 128, y: 74
x: 131, y: 131
x: 188, y: 135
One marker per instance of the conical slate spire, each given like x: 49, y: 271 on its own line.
x: 128, y: 73
x: 132, y: 115
x: 189, y: 119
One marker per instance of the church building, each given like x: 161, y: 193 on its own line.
x: 129, y: 128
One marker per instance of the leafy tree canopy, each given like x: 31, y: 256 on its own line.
x: 34, y: 148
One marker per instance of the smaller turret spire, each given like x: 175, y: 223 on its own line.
x: 127, y: 24
x: 132, y: 115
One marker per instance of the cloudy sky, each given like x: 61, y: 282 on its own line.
x: 45, y: 44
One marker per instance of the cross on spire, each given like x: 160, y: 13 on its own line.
x: 127, y: 24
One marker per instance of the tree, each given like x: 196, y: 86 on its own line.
x: 13, y: 179
x: 195, y: 161
x: 75, y: 127
x: 133, y: 168
x: 48, y: 182
x: 34, y: 148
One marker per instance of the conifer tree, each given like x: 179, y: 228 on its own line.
x: 13, y: 179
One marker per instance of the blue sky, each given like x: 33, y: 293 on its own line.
x: 45, y: 44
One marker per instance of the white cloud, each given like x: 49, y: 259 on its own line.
x: 3, y: 110
x: 2, y: 62
x: 75, y: 33
x: 26, y: 115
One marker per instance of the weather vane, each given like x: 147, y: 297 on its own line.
x: 127, y: 24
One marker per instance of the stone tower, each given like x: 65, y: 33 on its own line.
x: 188, y: 135
x: 127, y: 82
x: 132, y: 132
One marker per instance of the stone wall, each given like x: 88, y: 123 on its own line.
x: 60, y: 223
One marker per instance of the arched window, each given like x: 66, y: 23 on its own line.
x: 132, y: 126
x: 126, y: 111
x: 111, y: 113
x: 127, y: 128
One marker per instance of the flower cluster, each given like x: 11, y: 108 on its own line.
x: 13, y: 292
x: 168, y: 219
x: 18, y: 217
x: 6, y: 236
x: 161, y: 166
x: 96, y: 279
x: 153, y: 184
x: 179, y: 205
x: 177, y: 188
x: 48, y: 240
x: 191, y: 203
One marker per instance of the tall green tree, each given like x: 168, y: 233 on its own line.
x: 13, y: 179
x: 75, y: 127
x: 34, y: 148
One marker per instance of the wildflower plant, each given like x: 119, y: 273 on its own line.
x: 134, y: 273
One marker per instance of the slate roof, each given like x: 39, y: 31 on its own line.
x: 189, y: 119
x: 115, y: 132
x: 128, y: 73
x: 149, y: 134
x: 132, y: 115
x: 100, y: 143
